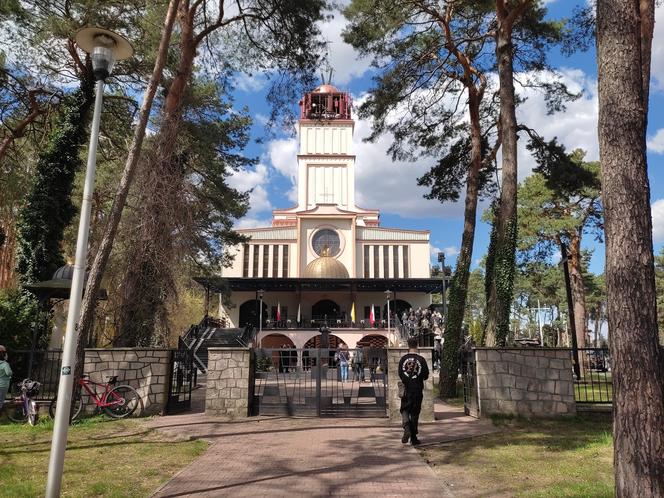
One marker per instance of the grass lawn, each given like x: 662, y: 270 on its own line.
x: 108, y: 458
x: 595, y: 387
x: 561, y: 458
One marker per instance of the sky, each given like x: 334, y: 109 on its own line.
x: 392, y: 187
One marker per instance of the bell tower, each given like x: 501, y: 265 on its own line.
x: 326, y: 165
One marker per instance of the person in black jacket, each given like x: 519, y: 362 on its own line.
x: 413, y: 371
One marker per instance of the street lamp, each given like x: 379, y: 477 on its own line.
x: 104, y: 47
x: 441, y: 260
x: 388, y: 296
x: 261, y: 292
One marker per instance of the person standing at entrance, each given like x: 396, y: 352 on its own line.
x: 5, y: 375
x: 358, y: 367
x: 413, y: 371
x: 343, y: 356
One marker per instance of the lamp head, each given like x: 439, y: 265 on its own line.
x: 104, y: 47
x: 261, y: 292
x: 388, y: 294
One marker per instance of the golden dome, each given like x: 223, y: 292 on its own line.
x: 325, y: 267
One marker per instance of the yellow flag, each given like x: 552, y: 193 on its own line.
x: 352, y: 313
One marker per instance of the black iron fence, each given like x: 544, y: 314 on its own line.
x: 468, y: 374
x: 42, y: 366
x: 320, y: 382
x: 594, y: 383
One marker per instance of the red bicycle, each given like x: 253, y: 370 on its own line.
x: 115, y: 401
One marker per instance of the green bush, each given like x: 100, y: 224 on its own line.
x: 263, y: 363
x: 19, y: 316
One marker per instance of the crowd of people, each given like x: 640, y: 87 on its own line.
x: 355, y: 361
x: 426, y: 323
x: 422, y: 322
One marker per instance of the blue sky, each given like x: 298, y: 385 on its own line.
x: 391, y: 187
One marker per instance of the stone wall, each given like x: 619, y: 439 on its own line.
x: 229, y: 382
x: 393, y: 400
x: 534, y: 382
x: 146, y: 370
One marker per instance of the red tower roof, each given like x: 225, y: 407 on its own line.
x: 326, y: 89
x: 325, y: 103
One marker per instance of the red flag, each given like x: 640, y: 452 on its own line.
x: 278, y: 311
x: 372, y: 317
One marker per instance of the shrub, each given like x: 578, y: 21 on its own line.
x: 19, y: 317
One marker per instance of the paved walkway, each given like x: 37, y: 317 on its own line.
x: 279, y: 456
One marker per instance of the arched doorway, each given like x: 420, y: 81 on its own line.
x: 249, y: 313
x: 283, y: 354
x: 397, y: 307
x: 373, y: 341
x: 315, y: 343
x: 325, y: 308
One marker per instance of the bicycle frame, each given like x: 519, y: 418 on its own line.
x: 102, y: 400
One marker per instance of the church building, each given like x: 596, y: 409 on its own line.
x: 325, y: 261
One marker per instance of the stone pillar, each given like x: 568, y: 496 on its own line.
x: 393, y: 400
x: 229, y: 382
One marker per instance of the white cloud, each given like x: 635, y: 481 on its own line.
x: 259, y: 202
x: 391, y: 186
x: 343, y: 58
x: 576, y: 128
x: 656, y: 143
x: 657, y: 63
x: 657, y: 209
x: 282, y: 155
x: 249, y: 83
x: 451, y: 251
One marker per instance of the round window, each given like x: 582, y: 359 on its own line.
x: 326, y: 237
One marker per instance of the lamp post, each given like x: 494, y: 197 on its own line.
x: 104, y: 47
x: 261, y: 292
x: 441, y: 260
x: 388, y: 296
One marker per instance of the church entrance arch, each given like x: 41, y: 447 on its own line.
x: 373, y: 341
x: 249, y: 313
x: 282, y: 352
x: 397, y: 307
x: 325, y: 309
x: 315, y: 342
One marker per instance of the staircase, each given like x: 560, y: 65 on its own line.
x: 209, y: 334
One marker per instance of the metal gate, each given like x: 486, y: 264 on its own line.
x: 315, y: 382
x: 183, y: 374
x: 470, y: 403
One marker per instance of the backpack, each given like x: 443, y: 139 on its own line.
x: 358, y: 356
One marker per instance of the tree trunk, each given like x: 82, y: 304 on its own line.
x: 148, y: 282
x: 101, y: 258
x: 638, y: 380
x: 578, y: 290
x: 7, y: 261
x: 501, y: 282
x: 449, y: 370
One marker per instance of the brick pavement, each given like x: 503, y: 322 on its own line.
x: 280, y: 456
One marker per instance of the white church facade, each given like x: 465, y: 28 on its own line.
x: 326, y: 260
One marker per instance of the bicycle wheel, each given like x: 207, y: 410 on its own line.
x: 15, y: 412
x: 121, y: 402
x: 33, y: 412
x: 78, y: 406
